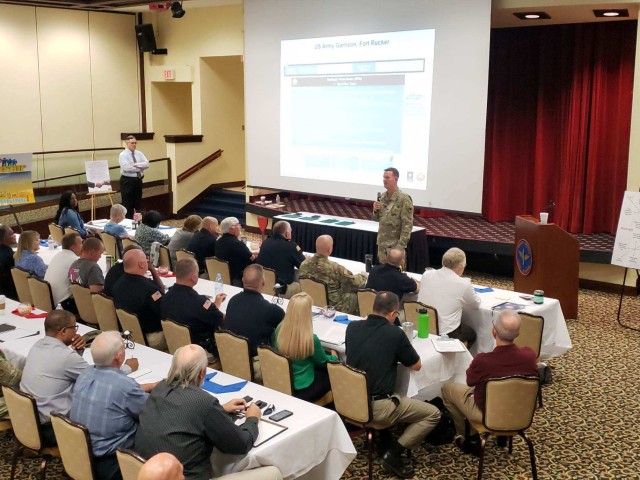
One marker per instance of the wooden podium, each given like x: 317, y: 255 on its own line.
x: 553, y: 265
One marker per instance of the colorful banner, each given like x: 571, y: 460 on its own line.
x: 15, y: 179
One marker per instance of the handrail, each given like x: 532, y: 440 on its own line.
x: 83, y: 173
x: 77, y: 151
x: 200, y: 165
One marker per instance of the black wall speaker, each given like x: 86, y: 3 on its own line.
x: 146, y: 38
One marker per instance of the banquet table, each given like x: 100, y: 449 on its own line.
x: 354, y: 240
x: 98, y: 225
x: 315, y: 446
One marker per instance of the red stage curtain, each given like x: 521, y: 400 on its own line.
x: 558, y: 123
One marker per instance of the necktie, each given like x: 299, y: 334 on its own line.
x: 133, y: 154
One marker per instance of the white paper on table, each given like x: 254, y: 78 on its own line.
x: 329, y: 332
x: 139, y: 373
x: 17, y: 333
x: 98, y: 222
x: 446, y: 346
x: 502, y: 296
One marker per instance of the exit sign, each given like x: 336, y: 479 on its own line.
x: 169, y: 74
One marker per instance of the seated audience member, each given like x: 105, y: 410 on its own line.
x: 295, y: 338
x: 467, y: 401
x: 53, y: 364
x: 203, y: 242
x: 342, y: 285
x: 450, y: 294
x: 230, y: 248
x: 184, y: 305
x: 115, y: 272
x: 68, y: 214
x: 376, y: 346
x: 137, y: 294
x: 249, y: 314
x: 26, y: 257
x: 388, y: 277
x: 148, y: 231
x: 182, y: 419
x: 86, y: 270
x: 283, y: 255
x: 10, y: 376
x: 58, y: 272
x: 183, y: 236
x: 116, y: 215
x: 108, y: 403
x: 7, y: 240
x: 162, y: 466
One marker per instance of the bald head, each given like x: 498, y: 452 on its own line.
x: 253, y: 277
x: 162, y: 466
x: 135, y: 262
x: 395, y: 256
x: 507, y: 326
x: 210, y: 224
x: 324, y: 245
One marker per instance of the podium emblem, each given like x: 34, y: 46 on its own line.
x: 524, y: 257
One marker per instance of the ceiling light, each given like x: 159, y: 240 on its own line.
x: 532, y: 15
x: 612, y: 12
x: 177, y: 10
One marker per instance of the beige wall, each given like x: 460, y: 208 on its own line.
x: 71, y: 82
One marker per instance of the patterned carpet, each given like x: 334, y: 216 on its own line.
x: 586, y: 429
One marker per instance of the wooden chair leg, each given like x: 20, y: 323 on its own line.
x: 370, y: 454
x: 532, y: 456
x: 14, y: 461
x: 483, y: 441
x: 43, y: 467
x: 540, y: 397
x: 510, y: 444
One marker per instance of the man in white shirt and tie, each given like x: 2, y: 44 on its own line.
x: 449, y: 293
x: 133, y: 163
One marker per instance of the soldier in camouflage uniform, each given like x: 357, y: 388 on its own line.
x: 10, y: 376
x: 394, y: 212
x: 341, y: 283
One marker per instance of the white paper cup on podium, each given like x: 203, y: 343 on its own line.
x: 544, y: 218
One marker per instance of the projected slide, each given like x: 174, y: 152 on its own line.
x: 351, y: 106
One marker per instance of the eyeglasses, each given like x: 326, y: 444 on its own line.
x: 75, y: 327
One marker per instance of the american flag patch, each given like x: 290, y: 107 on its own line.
x: 207, y: 304
x: 156, y: 296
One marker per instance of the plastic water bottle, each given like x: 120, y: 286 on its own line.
x: 219, y: 284
x: 278, y: 198
x: 51, y: 242
x: 423, y: 323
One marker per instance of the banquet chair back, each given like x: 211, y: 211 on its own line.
x: 129, y: 241
x: 71, y: 230
x: 531, y: 328
x: 129, y: 321
x: 41, y: 294
x: 56, y: 232
x: 269, y: 280
x: 234, y: 353
x: 105, y: 312
x: 510, y: 403
x: 111, y: 245
x: 130, y: 463
x: 276, y: 370
x: 84, y: 302
x: 75, y: 448
x: 165, y: 257
x: 411, y: 315
x: 23, y: 411
x: 317, y: 289
x: 176, y: 334
x: 20, y: 277
x: 353, y: 402
x: 183, y: 254
x: 366, y: 297
x: 215, y: 266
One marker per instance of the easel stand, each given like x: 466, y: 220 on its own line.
x: 93, y: 196
x: 624, y: 281
x: 15, y: 216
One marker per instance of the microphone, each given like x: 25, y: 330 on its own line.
x: 379, y: 196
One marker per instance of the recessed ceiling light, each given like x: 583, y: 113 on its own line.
x: 612, y: 13
x: 532, y: 15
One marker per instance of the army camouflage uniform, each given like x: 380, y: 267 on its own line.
x: 10, y: 376
x: 395, y: 219
x: 341, y: 283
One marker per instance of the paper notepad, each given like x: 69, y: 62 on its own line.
x: 329, y: 332
x: 447, y: 346
x: 139, y: 373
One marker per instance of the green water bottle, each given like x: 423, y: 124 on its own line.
x: 423, y: 323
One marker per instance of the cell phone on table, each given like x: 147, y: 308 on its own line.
x: 247, y: 398
x: 281, y: 415
x: 260, y: 404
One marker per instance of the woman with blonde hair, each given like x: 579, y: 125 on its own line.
x: 26, y: 257
x: 295, y: 338
x: 183, y: 236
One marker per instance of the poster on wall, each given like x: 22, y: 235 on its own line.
x: 15, y: 179
x: 98, y: 180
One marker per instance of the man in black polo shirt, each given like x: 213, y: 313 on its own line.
x: 231, y: 249
x: 376, y: 346
x: 283, y: 255
x: 115, y: 272
x: 137, y: 294
x: 249, y: 314
x: 388, y: 277
x: 7, y: 240
x: 184, y: 305
x: 203, y: 242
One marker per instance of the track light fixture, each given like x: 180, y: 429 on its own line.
x: 177, y: 10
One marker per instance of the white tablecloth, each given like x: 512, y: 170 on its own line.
x: 316, y: 445
x: 127, y: 223
x: 364, y: 225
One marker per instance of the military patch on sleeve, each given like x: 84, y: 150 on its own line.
x: 207, y: 304
x: 298, y: 248
x: 156, y: 296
